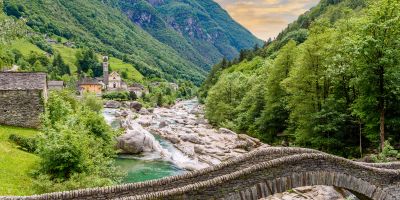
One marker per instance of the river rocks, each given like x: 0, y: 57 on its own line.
x: 185, y: 127
x: 124, y: 113
x: 144, y: 111
x: 135, y: 105
x: 173, y: 139
x: 226, y: 131
x: 190, y: 138
x: 198, y: 149
x: 312, y: 192
x: 187, y: 149
x: 112, y: 104
x: 162, y: 124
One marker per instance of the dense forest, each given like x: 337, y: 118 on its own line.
x: 329, y: 81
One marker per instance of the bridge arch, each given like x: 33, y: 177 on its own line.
x: 257, y: 175
x: 281, y: 174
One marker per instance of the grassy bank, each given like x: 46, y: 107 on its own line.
x: 15, y: 164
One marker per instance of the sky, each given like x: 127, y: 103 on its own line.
x: 266, y: 18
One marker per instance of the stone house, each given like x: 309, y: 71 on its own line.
x: 90, y: 85
x: 55, y: 85
x: 138, y: 89
x: 22, y: 98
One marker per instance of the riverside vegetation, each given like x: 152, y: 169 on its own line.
x: 74, y: 149
x: 329, y: 81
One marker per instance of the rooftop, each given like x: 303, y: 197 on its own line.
x: 22, y: 81
x: 89, y: 81
x: 55, y: 83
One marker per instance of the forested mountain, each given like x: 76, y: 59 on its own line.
x: 329, y: 81
x: 201, y: 31
x: 167, y: 44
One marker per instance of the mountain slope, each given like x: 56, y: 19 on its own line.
x: 97, y: 25
x: 151, y: 35
x: 200, y: 31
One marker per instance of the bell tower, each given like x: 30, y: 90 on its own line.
x: 105, y: 70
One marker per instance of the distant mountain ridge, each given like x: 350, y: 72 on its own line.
x: 201, y: 31
x: 170, y: 39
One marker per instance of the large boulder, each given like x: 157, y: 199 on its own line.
x: 136, y: 106
x: 112, y: 104
x: 137, y: 140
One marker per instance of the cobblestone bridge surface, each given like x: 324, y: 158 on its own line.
x: 256, y: 175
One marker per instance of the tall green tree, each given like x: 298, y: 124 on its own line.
x: 309, y: 86
x: 378, y: 67
x: 88, y: 63
x: 275, y: 114
x: 225, y: 96
x: 59, y: 67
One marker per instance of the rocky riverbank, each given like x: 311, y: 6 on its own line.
x: 186, y: 128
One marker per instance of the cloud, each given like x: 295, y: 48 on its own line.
x: 266, y: 18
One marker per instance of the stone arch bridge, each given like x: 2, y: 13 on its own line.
x: 256, y: 175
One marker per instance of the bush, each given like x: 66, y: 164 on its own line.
x: 388, y: 154
x: 27, y: 144
x: 76, y: 146
x: 121, y: 96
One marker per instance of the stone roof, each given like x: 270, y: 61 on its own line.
x: 22, y: 81
x: 55, y: 83
x: 89, y: 81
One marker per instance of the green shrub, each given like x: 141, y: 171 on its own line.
x: 76, y: 146
x: 121, y: 96
x: 27, y: 144
x: 388, y: 154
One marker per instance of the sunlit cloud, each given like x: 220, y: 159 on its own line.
x: 266, y: 18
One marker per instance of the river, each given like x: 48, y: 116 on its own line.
x: 145, y: 166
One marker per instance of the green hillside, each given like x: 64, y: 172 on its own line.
x: 96, y: 24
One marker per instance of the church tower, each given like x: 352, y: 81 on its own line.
x: 105, y: 70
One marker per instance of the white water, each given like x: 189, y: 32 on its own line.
x: 160, y: 148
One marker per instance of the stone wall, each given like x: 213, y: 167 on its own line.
x: 21, y: 107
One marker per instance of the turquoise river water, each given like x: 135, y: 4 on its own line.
x: 145, y: 166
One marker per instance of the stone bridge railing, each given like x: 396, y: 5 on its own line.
x: 257, y: 175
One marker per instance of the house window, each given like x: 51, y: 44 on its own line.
x: 115, y: 85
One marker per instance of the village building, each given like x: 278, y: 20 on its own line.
x: 55, y: 85
x: 115, y: 82
x: 90, y: 85
x: 109, y: 82
x: 138, y: 89
x: 22, y: 98
x: 112, y: 81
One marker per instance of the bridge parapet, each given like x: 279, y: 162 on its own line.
x: 257, y: 175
